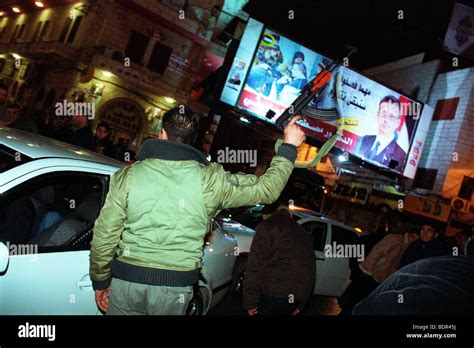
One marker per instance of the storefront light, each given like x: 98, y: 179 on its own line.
x: 16, y: 9
x: 2, y: 13
x: 16, y: 56
x: 170, y: 100
x: 39, y: 4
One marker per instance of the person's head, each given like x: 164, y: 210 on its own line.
x: 270, y: 53
x: 298, y: 57
x: 269, y: 209
x: 180, y: 124
x: 388, y: 116
x: 102, y: 131
x: 298, y: 70
x: 427, y: 233
x: 79, y: 121
x: 3, y: 93
x: 13, y: 112
x: 413, y: 235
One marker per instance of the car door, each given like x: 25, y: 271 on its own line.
x: 321, y: 235
x: 220, y: 253
x: 47, y: 276
x: 339, y: 277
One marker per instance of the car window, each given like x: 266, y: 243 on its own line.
x: 10, y: 159
x: 318, y: 232
x: 341, y: 235
x: 52, y: 211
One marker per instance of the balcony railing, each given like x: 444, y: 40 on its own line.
x: 42, y: 50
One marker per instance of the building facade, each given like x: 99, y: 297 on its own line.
x: 131, y: 59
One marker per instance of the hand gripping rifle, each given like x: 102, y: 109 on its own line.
x: 311, y: 92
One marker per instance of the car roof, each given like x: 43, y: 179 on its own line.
x: 310, y: 214
x: 304, y: 212
x: 37, y: 146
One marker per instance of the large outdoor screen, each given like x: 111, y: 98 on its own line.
x: 375, y: 123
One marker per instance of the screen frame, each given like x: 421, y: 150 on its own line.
x: 314, y: 141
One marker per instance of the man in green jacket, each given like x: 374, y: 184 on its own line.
x: 148, y: 239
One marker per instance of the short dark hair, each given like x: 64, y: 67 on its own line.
x: 105, y: 125
x: 181, y: 124
x: 389, y: 99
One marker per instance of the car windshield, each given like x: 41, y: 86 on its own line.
x: 10, y: 158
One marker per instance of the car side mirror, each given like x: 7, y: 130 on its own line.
x: 4, y: 257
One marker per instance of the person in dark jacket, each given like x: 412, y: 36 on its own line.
x: 281, y: 268
x: 15, y: 119
x: 83, y: 133
x: 427, y: 246
x: 102, y: 144
x: 370, y: 240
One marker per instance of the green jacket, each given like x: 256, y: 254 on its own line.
x: 151, y: 228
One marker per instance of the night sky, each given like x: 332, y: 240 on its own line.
x: 371, y: 25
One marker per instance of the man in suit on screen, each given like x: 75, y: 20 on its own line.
x: 383, y: 147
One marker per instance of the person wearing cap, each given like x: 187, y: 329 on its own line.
x: 265, y: 69
x: 148, y: 240
x: 281, y: 268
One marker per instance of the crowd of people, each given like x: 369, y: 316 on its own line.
x: 281, y: 265
x: 76, y: 130
x: 389, y: 255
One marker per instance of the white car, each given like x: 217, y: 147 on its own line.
x: 332, y: 269
x: 46, y: 271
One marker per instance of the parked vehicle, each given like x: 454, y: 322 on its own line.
x: 48, y: 271
x: 332, y: 270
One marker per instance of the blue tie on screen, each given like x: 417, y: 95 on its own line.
x: 373, y: 153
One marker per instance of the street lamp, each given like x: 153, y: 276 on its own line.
x: 169, y: 100
x: 16, y: 9
x: 39, y: 4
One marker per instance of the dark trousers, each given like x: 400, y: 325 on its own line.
x: 359, y: 288
x: 269, y: 305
